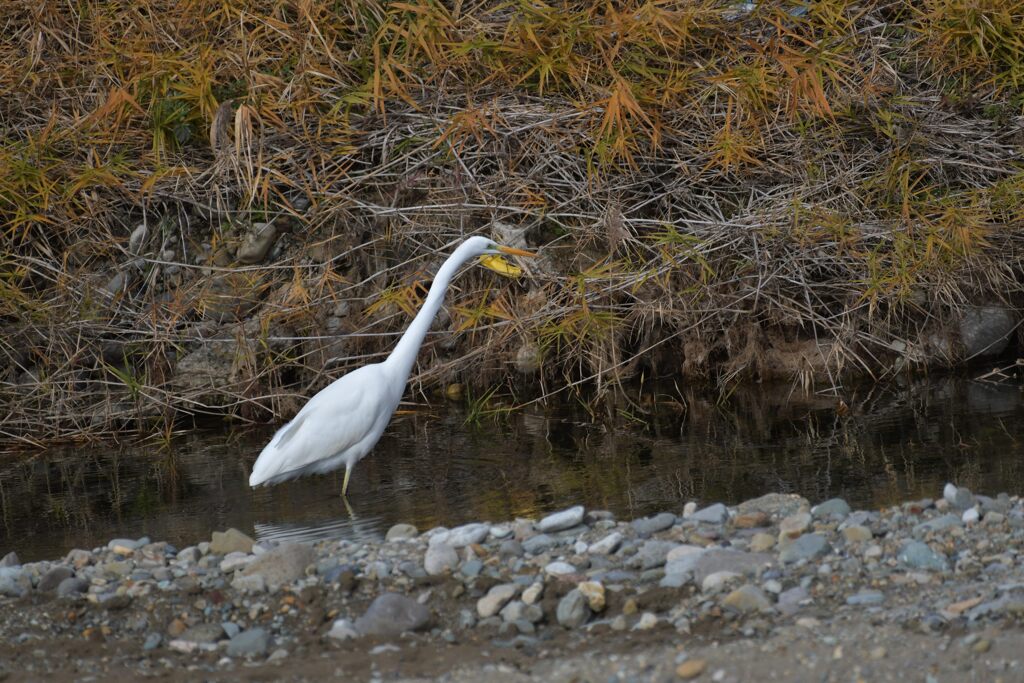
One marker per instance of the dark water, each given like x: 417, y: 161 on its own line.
x: 432, y: 468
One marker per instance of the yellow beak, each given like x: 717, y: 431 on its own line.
x: 503, y: 267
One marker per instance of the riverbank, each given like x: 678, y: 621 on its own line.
x: 774, y: 586
x: 214, y: 211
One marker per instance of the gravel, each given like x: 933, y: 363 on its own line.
x: 770, y: 570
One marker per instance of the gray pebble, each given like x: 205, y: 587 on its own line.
x: 573, y: 610
x: 807, y: 547
x: 919, y: 555
x: 254, y: 643
x: 652, y: 525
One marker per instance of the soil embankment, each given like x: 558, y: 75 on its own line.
x: 217, y: 209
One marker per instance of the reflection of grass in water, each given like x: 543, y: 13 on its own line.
x: 892, y: 447
x: 483, y: 407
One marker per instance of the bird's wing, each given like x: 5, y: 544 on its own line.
x: 337, y: 418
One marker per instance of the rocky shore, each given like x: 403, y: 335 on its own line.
x: 772, y: 588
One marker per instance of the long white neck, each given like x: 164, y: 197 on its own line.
x: 403, y: 357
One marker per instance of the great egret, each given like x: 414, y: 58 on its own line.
x: 343, y: 422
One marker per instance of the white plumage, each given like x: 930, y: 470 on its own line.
x: 344, y: 421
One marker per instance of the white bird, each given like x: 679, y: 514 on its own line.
x: 343, y: 422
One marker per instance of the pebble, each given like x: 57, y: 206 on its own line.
x: 648, y: 620
x: 565, y: 519
x: 513, y: 611
x: 594, y: 592
x: 126, y: 546
x: 401, y: 532
x: 691, y: 668
x: 747, y: 599
x: 53, y: 578
x: 152, y: 642
x: 533, y: 593
x: 714, y: 583
x: 918, y: 555
x: 440, y: 558
x: 559, y: 568
x: 283, y: 564
x: 496, y: 598
x: 607, y: 545
x: 572, y: 611
x: 648, y: 526
x: 14, y: 582
x: 230, y: 541
x: 653, y: 553
x: 938, y: 524
x: 467, y: 534
x: 235, y: 560
x: 72, y: 586
x: 761, y: 542
x: 391, y: 614
x: 251, y: 643
x: 835, y: 509
x: 202, y: 633
x: 807, y: 547
x: 541, y: 543
x: 794, y: 525
x: 713, y: 514
x: 856, y: 534
x: 751, y: 520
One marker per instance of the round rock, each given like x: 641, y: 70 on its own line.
x: 392, y: 614
x: 400, y: 532
x: 441, y: 558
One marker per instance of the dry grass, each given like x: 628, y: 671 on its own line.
x: 713, y: 186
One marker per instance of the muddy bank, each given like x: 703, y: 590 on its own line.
x: 775, y: 584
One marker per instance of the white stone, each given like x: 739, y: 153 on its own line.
x: 123, y: 546
x: 683, y: 551
x: 873, y: 552
x: 491, y: 604
x: 970, y: 516
x: 235, y: 560
x: 561, y: 520
x: 559, y: 569
x: 647, y: 622
x: 689, y: 509
x: 949, y: 492
x: 343, y: 629
x: 254, y: 583
x: 533, y: 593
x: 500, y: 532
x: 513, y: 611
x: 440, y: 558
x: 607, y: 545
x: 715, y: 582
x: 464, y: 535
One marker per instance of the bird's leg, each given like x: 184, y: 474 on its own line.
x: 344, y: 485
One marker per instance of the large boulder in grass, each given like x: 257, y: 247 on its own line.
x: 985, y: 330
